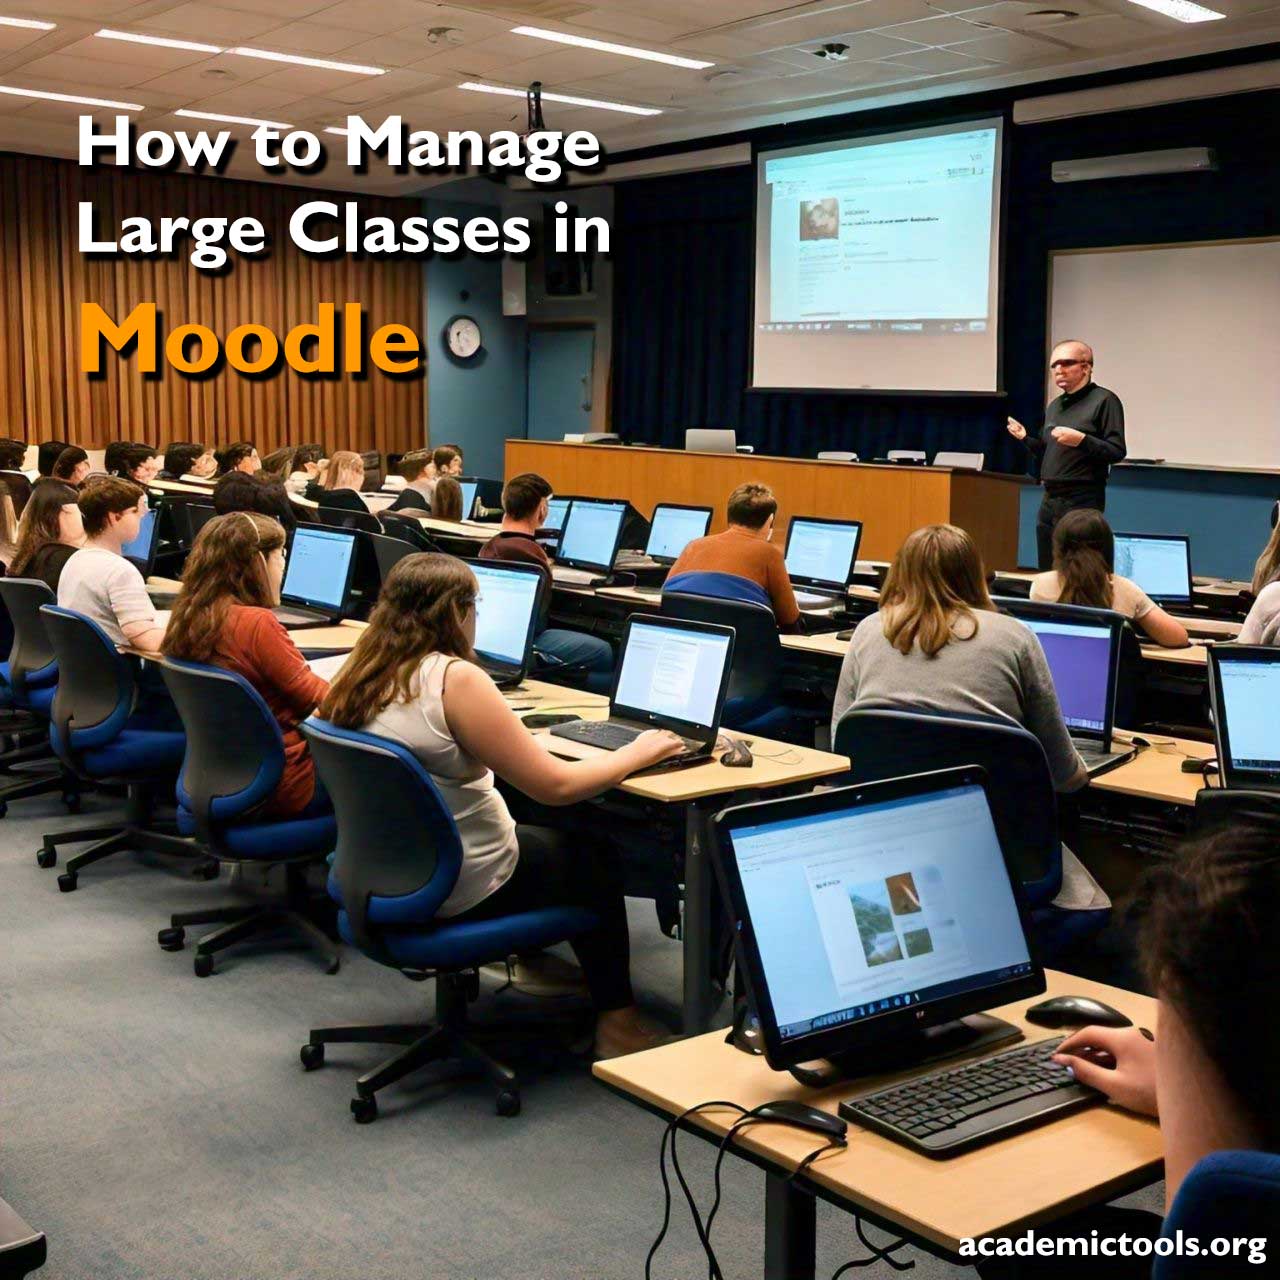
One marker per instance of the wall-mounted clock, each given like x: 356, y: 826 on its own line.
x: 462, y: 338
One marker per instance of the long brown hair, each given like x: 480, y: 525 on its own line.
x: 1084, y: 550
x: 421, y: 610
x: 227, y: 566
x: 39, y: 524
x: 936, y: 577
x: 342, y: 460
x: 447, y: 502
x: 1267, y: 568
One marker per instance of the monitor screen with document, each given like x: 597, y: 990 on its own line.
x: 875, y: 910
x: 557, y: 509
x: 822, y: 553
x: 1244, y: 687
x: 319, y: 569
x: 506, y: 610
x: 673, y: 528
x: 1159, y: 563
x: 591, y: 533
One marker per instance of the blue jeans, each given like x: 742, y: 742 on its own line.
x: 576, y: 657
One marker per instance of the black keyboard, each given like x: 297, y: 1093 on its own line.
x: 951, y: 1111
x: 597, y: 733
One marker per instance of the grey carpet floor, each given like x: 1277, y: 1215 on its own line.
x: 158, y: 1125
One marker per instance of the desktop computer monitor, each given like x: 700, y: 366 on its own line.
x: 318, y: 573
x: 506, y: 614
x: 673, y: 528
x: 1244, y: 690
x: 822, y: 553
x: 673, y: 675
x: 557, y: 509
x: 142, y: 549
x: 1159, y: 563
x: 591, y: 534
x: 868, y: 914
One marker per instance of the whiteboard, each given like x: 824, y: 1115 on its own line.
x: 1188, y: 336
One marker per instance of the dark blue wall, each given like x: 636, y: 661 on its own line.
x: 683, y: 257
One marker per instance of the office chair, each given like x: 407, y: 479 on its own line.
x: 32, y: 675
x: 720, y: 586
x: 906, y: 455
x: 1221, y: 808
x: 234, y: 760
x: 397, y: 861
x: 1228, y: 1195
x: 960, y: 460
x: 373, y: 472
x: 1024, y: 806
x: 837, y: 455
x: 387, y: 551
x: 93, y: 735
x: 754, y: 701
x: 406, y: 529
x: 336, y: 518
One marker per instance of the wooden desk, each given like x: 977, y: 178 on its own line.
x: 891, y: 501
x: 1000, y: 1189
x: 1155, y: 774
x: 1194, y: 655
x: 456, y: 528
x: 332, y: 639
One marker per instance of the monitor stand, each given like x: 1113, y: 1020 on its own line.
x: 977, y: 1032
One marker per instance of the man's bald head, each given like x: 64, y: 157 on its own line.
x: 1071, y: 364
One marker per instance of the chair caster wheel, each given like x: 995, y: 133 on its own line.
x: 312, y: 1056
x: 72, y: 800
x: 172, y: 939
x: 67, y: 881
x: 203, y: 966
x: 334, y: 965
x: 365, y: 1110
x: 4, y: 808
x: 207, y: 870
x: 507, y: 1103
x: 46, y: 857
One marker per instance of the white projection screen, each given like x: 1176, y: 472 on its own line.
x: 878, y: 262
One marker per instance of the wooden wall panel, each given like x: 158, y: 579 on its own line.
x: 44, y: 279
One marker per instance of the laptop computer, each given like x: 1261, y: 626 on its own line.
x: 1083, y: 650
x: 1159, y: 563
x: 317, y: 577
x: 469, y: 490
x: 506, y: 618
x: 872, y: 921
x: 589, y: 542
x: 820, y: 556
x: 141, y: 551
x: 671, y: 674
x: 672, y: 528
x: 1244, y: 691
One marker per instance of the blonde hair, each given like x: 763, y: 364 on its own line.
x: 340, y: 463
x: 936, y: 578
x: 1267, y: 569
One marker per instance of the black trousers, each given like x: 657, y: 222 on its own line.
x: 557, y: 869
x: 1053, y: 506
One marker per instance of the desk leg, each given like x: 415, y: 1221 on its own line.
x: 790, y: 1231
x: 696, y: 928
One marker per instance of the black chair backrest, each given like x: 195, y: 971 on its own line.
x: 893, y: 744
x: 406, y: 529
x: 756, y: 673
x: 1219, y: 809
x: 32, y: 649
x: 1131, y: 680
x: 96, y: 686
x: 337, y: 518
x: 387, y: 551
x: 373, y: 473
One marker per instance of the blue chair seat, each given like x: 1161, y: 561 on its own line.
x: 40, y: 700
x: 135, y: 753
x: 474, y: 942
x: 270, y: 841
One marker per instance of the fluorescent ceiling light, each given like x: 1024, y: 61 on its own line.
x: 221, y: 119
x: 30, y: 24
x: 1182, y: 10
x: 163, y: 41
x: 71, y: 97
x: 605, y: 46
x: 562, y: 97
x: 323, y: 63
x: 333, y: 128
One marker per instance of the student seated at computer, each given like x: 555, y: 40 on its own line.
x: 241, y: 456
x: 188, y: 460
x: 308, y: 464
x: 418, y: 469
x: 340, y: 488
x: 411, y: 678
x: 72, y: 466
x: 12, y: 454
x: 744, y: 550
x: 97, y: 580
x: 139, y: 463
x: 113, y: 456
x: 47, y: 454
x: 559, y: 651
x: 50, y: 532
x: 447, y: 503
x: 223, y: 617
x: 1262, y: 626
x: 240, y: 491
x: 939, y: 645
x: 1083, y: 556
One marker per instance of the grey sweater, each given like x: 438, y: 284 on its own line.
x: 998, y: 671
x: 1262, y: 626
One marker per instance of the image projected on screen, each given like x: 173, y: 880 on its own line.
x: 877, y: 262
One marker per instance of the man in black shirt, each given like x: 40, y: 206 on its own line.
x: 1083, y: 435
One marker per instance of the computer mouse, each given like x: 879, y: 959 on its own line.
x: 1076, y: 1011
x: 737, y: 755
x: 786, y: 1111
x: 547, y: 719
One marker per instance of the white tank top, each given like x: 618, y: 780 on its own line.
x: 489, y: 850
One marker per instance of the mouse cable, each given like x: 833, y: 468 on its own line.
x: 878, y: 1254
x: 668, y: 1134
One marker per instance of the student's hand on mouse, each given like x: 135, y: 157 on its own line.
x: 1068, y: 437
x: 652, y: 747
x: 1016, y: 429
x: 1131, y: 1083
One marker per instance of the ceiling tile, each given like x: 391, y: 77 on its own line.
x: 627, y: 26
x: 281, y: 9
x: 391, y: 51
x: 148, y: 57
x: 1106, y: 33
x: 15, y: 38
x: 861, y: 46
x: 249, y: 100
x: 935, y: 61
x: 1010, y: 49
x: 378, y: 17
x: 303, y: 81
x: 213, y: 75
x: 87, y: 73
x: 210, y: 23
x: 938, y: 31
x: 311, y: 39
x: 357, y: 90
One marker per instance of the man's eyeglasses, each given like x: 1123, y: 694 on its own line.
x: 1067, y: 364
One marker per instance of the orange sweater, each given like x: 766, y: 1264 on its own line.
x: 740, y: 552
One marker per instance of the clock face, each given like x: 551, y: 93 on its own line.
x: 463, y: 337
